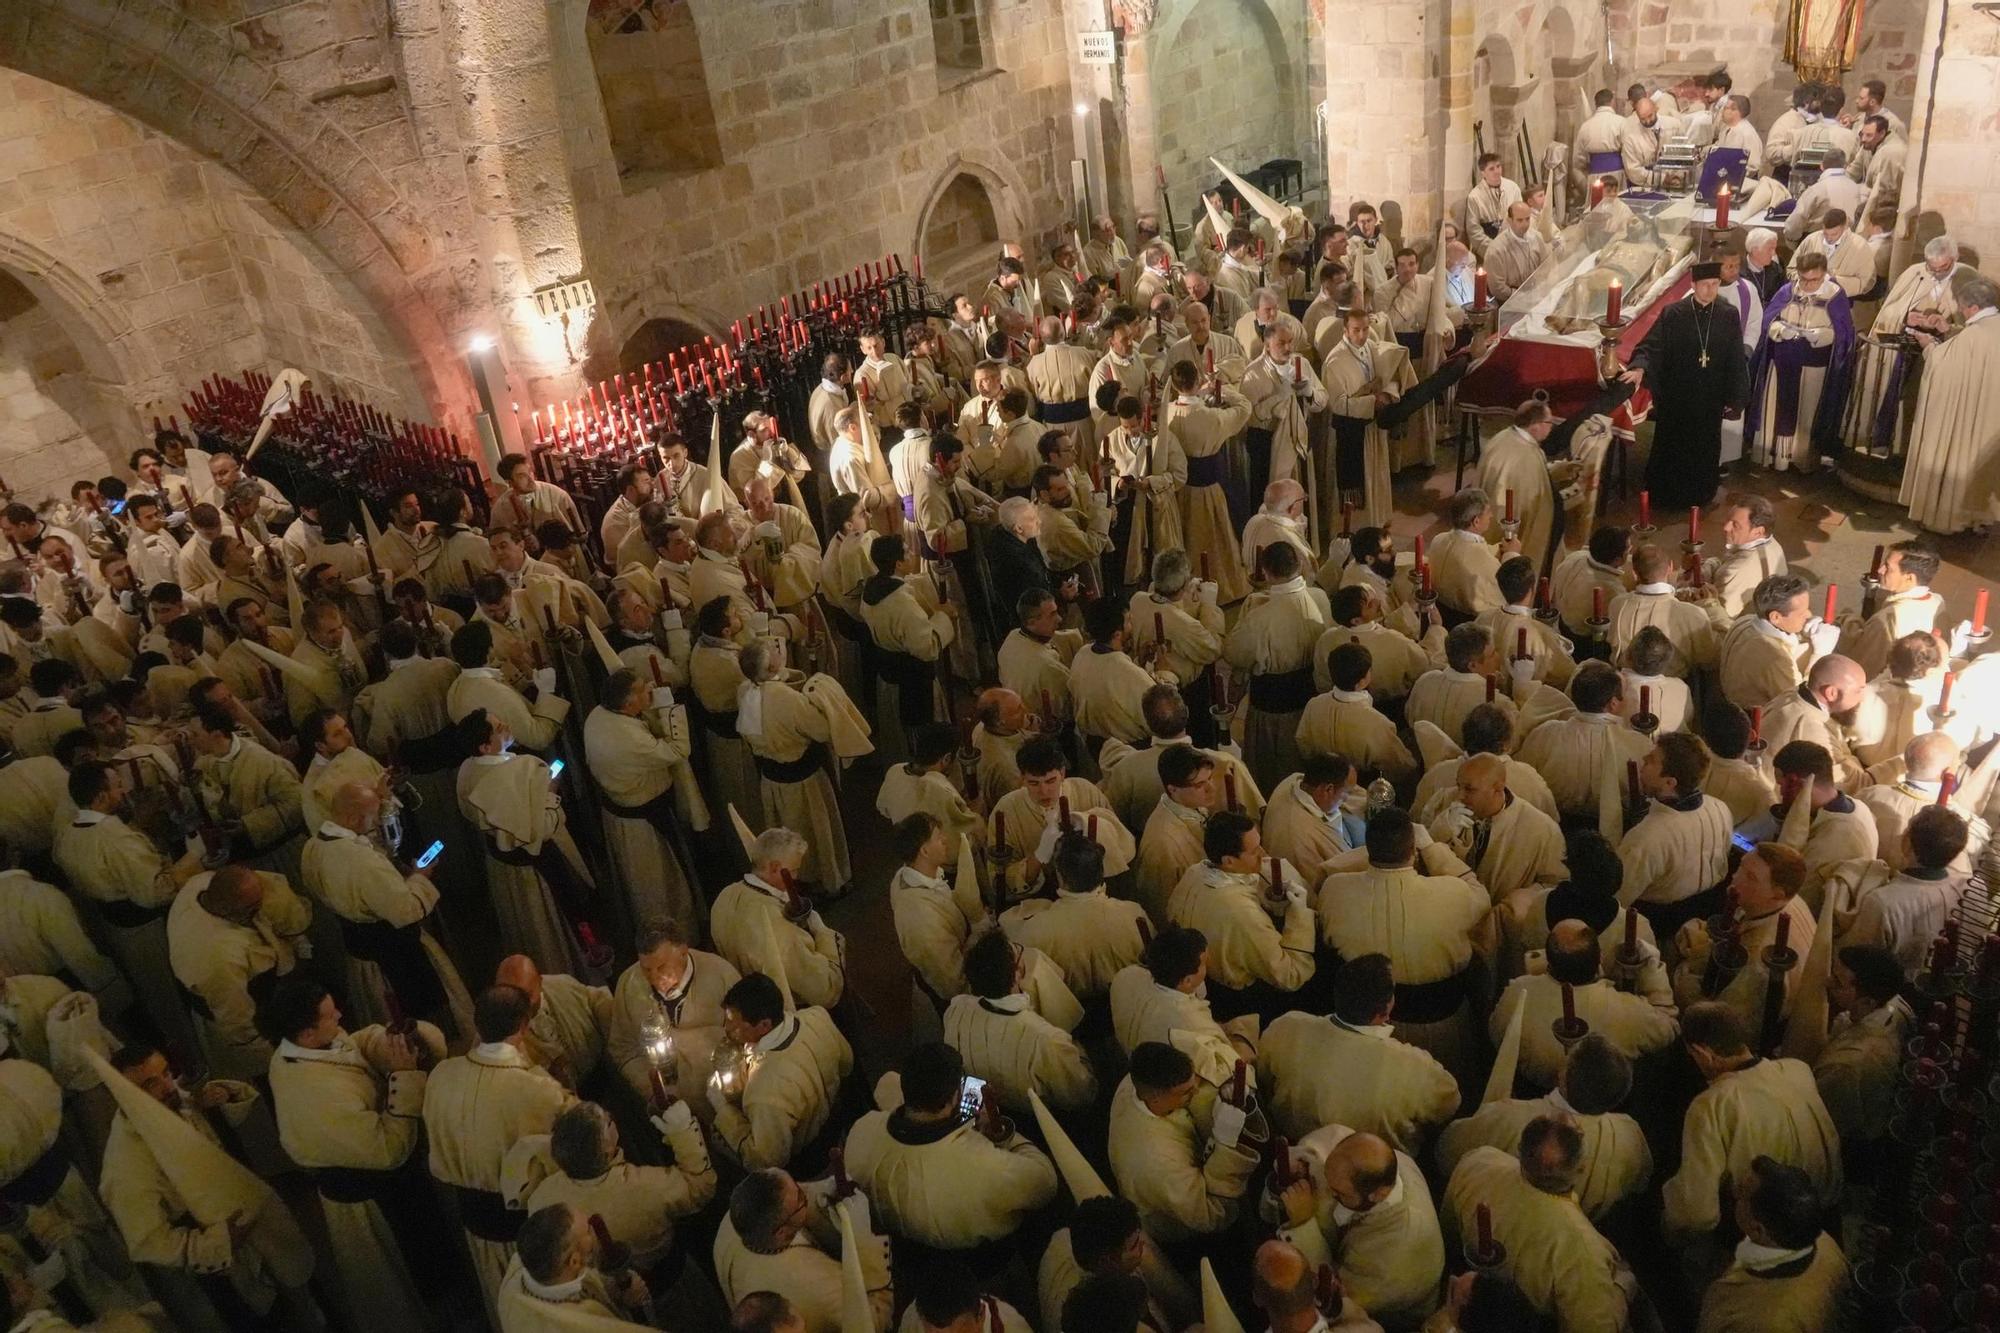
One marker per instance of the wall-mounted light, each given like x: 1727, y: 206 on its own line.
x: 481, y: 344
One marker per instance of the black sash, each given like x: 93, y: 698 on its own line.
x: 351, y: 1184
x: 487, y: 1216
x: 1208, y: 471
x: 1281, y: 691
x: 794, y: 770
x: 399, y: 952
x: 39, y: 1183
x: 572, y: 895
x: 722, y: 724
x: 1061, y: 414
x: 128, y: 915
x: 1431, y: 1002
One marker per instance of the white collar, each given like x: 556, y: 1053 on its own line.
x: 1296, y: 583
x: 1757, y: 1257
x: 917, y: 879
x: 1305, y: 799
x: 1655, y: 589
x: 562, y: 1293
x: 1353, y: 697
x: 500, y: 1053
x: 831, y: 387
x: 1186, y: 814
x: 1559, y: 1102
x: 1765, y: 627
x: 329, y: 829
x: 779, y: 1035
x: 1380, y: 1031
x: 398, y: 663
x: 500, y: 758
x: 757, y: 882
x: 1601, y: 719
x: 87, y: 817
x: 340, y: 1052
x: 1007, y: 1004
x: 1987, y: 313
x: 482, y: 673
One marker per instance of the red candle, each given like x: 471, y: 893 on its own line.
x: 1944, y: 695
x: 1722, y: 206
x: 1542, y: 594
x: 1510, y: 504
x: 1694, y: 523
x: 1756, y: 723
x: 1420, y: 547
x: 1946, y: 786
x: 1875, y: 563
x: 1492, y: 687
x: 999, y: 829
x: 1347, y: 518
x: 1784, y: 931
x: 1645, y: 509
x: 1645, y: 700
x: 1425, y: 585
x: 1631, y: 931
x: 1520, y: 643
x: 1597, y: 605
x: 1614, y: 301
x: 919, y: 258
x: 1694, y: 570
x: 1229, y: 787
x: 1483, y: 1224
x: 1596, y: 191
x: 1979, y: 612
x: 1832, y: 600
x: 1632, y: 780
x: 1479, y: 289
x: 1160, y: 628
x: 1569, y: 1005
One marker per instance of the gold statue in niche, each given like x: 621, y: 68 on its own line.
x: 1820, y: 38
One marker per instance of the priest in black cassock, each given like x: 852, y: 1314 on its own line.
x: 1692, y: 361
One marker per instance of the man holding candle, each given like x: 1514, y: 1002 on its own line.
x: 1574, y: 753
x: 1768, y: 651
x: 1820, y: 710
x: 1510, y: 845
x: 1513, y: 465
x: 1514, y: 253
x: 1568, y: 981
x: 1489, y: 203
x: 1345, y: 722
x: 1948, y: 482
x: 1253, y: 911
x: 1525, y: 1201
x: 1693, y: 362
x: 1750, y: 552
x: 670, y: 998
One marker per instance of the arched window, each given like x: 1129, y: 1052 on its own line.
x: 964, y: 47
x: 961, y: 234
x: 655, y: 90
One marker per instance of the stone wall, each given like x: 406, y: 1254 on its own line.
x: 1229, y: 81
x: 961, y: 235
x: 1654, y: 36
x: 1954, y: 171
x: 655, y: 89
x: 61, y: 422
x: 958, y: 37
x: 839, y: 135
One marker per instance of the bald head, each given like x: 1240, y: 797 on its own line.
x: 1282, y: 1281
x: 1361, y: 1171
x: 235, y: 893
x: 1930, y: 756
x: 1838, y: 681
x: 1482, y: 784
x: 1050, y: 328
x: 519, y: 971
x: 1645, y: 110
x: 355, y: 806
x: 1280, y: 496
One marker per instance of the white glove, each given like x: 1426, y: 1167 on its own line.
x: 860, y: 1212
x: 758, y: 623
x: 1045, y: 850
x: 663, y: 697
x: 670, y: 619
x: 1228, y: 1124
x: 1295, y: 893
x: 717, y: 1098
x: 1422, y: 836
x: 1209, y: 591
x: 677, y: 1117
x: 770, y: 471
x: 768, y: 532
x: 1522, y: 669
x: 1819, y: 337
x: 1961, y: 638
x: 1456, y: 821
x: 1823, y: 637
x: 46, y: 1275
x: 1780, y: 331
x: 302, y: 945
x: 545, y: 679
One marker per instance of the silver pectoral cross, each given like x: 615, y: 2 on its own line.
x: 1703, y: 361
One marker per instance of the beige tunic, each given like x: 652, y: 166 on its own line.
x: 41, y: 935
x: 1617, y: 1164
x: 807, y: 1273
x: 788, y: 1095
x: 1439, y: 789
x: 1771, y: 1108
x: 1572, y: 587
x: 1525, y: 847
x: 1744, y: 992
x: 1143, y: 1010
x: 918, y: 1181
x: 1792, y: 717
x: 1201, y: 432
x: 1743, y: 786
x: 1316, y: 1071
x: 535, y: 725
x: 639, y: 1204
x: 1107, y: 687
x: 1170, y: 843
x: 1759, y: 663
x: 1575, y: 753
x: 1017, y: 1051
x: 33, y: 789
x: 1091, y: 936
x: 1183, y: 1183
x: 1443, y: 697
x: 792, y: 721
x: 1132, y: 778
x: 219, y: 961
x: 1902, y: 912
x: 1630, y: 1022
x: 1189, y: 630
x: 634, y: 766
x: 1347, y: 723
x: 692, y: 1015
x: 1275, y: 637
x: 1465, y: 571
x: 1780, y: 1301
x: 1394, y: 659
x: 1694, y: 628
x: 1949, y: 481
x: 1389, y: 1256
x: 749, y: 917
x: 1561, y: 1263
x: 1018, y: 819
x: 1352, y: 376
x: 1916, y: 611
x: 1511, y: 260
x: 1245, y: 944
x: 1674, y: 853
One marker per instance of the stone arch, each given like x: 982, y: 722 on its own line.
x: 74, y: 374
x: 653, y: 82
x: 966, y: 213
x: 1212, y: 51
x: 1570, y: 65
x: 177, y: 75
